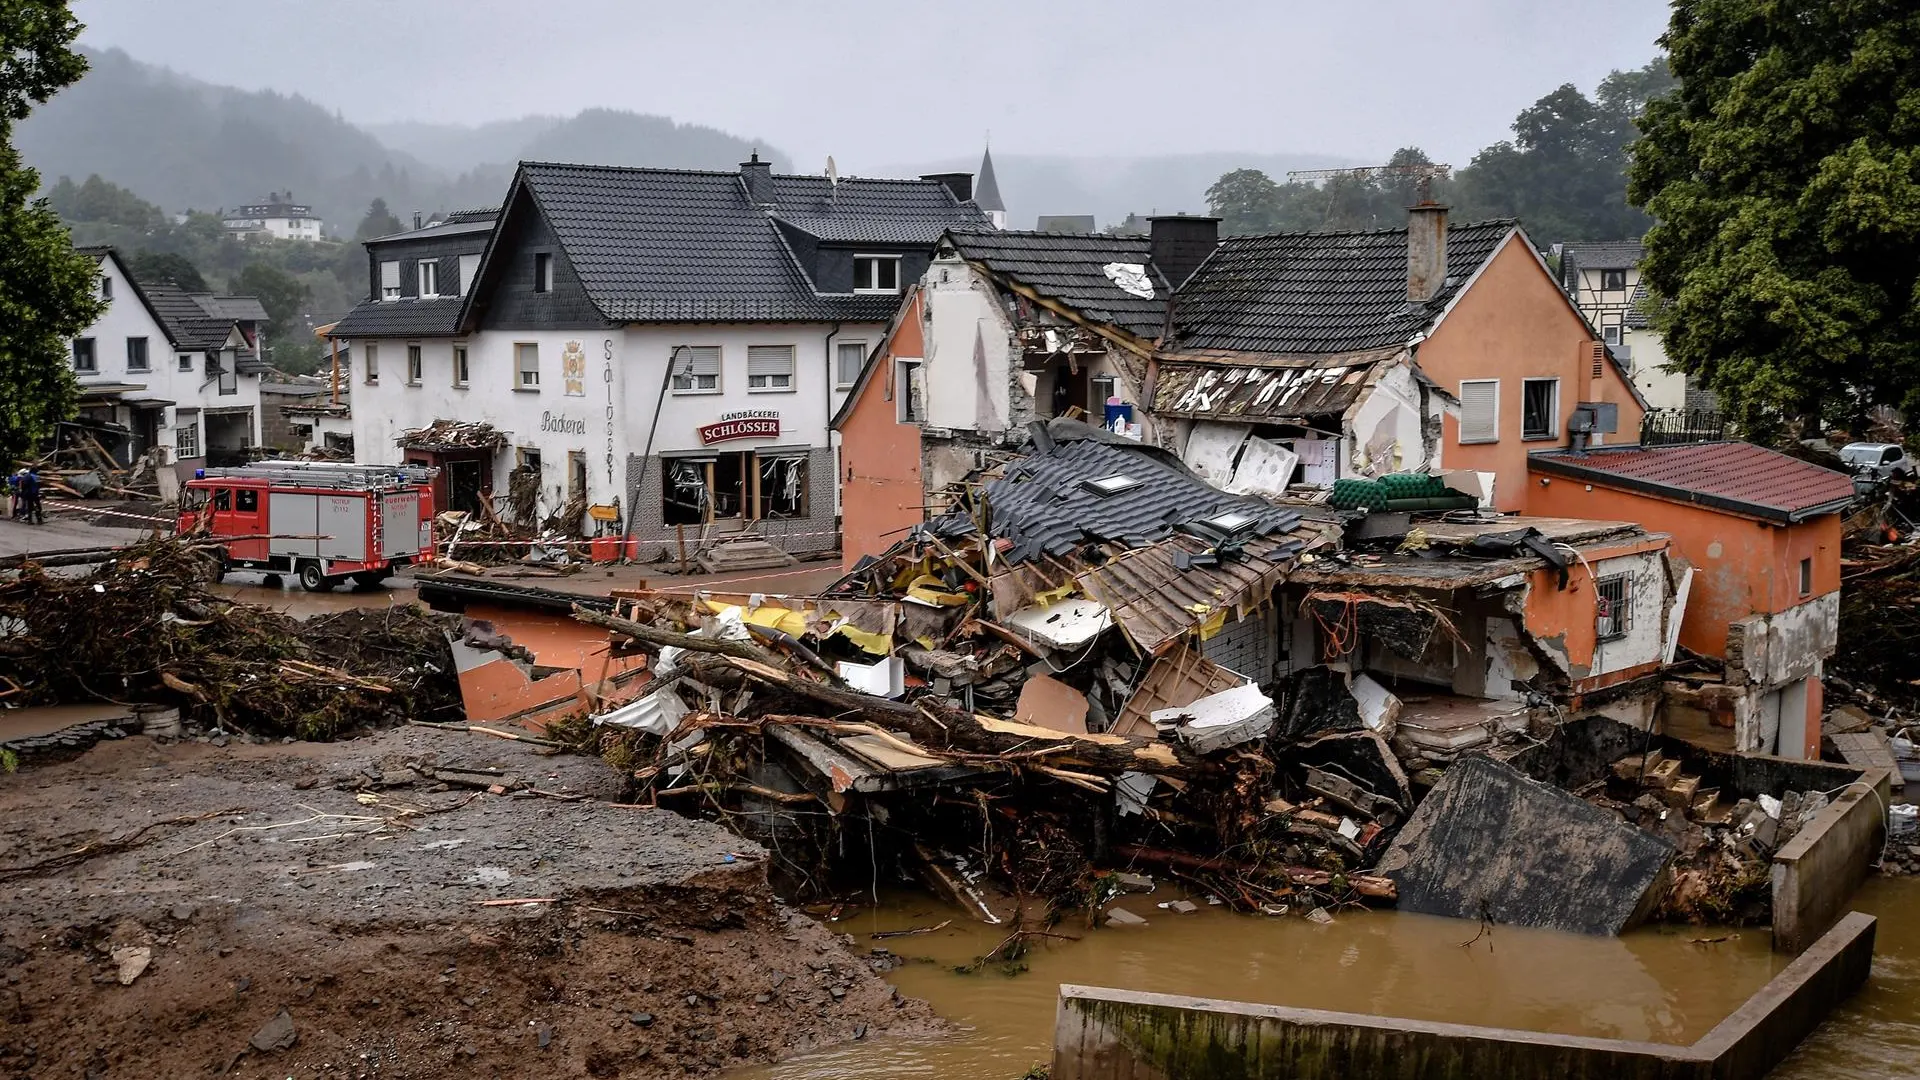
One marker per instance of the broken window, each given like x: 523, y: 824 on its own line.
x: 1539, y: 408
x: 685, y: 497
x: 1479, y: 411
x: 906, y: 391
x: 1612, y: 596
x: 783, y: 487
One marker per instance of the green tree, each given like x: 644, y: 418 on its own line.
x: 155, y: 267
x: 283, y: 295
x: 1784, y: 177
x: 1245, y: 201
x: 379, y: 221
x: 47, y: 290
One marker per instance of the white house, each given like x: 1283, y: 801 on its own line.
x: 656, y: 350
x: 165, y: 367
x: 277, y: 216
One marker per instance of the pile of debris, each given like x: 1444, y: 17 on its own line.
x: 78, y: 464
x: 144, y: 626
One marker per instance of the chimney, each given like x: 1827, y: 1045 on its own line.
x: 758, y: 176
x: 960, y: 183
x: 1180, y: 243
x: 416, y: 219
x: 1426, y: 250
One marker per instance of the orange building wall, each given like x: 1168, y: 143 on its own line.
x: 880, y: 485
x: 1569, y: 615
x: 1514, y: 324
x: 1741, y: 566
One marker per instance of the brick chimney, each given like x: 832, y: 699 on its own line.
x: 1180, y: 243
x: 1426, y: 250
x: 960, y: 183
x: 758, y: 176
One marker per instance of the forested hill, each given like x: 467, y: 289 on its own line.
x: 182, y: 144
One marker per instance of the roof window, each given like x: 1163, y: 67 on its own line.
x: 1111, y: 485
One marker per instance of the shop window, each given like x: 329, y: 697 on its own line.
x: 685, y: 493
x: 1612, y: 597
x: 783, y: 487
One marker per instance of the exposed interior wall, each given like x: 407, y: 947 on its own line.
x: 967, y: 354
x: 1390, y: 425
x: 1564, y: 622
x: 1514, y: 323
x: 1742, y: 566
x: 881, y: 487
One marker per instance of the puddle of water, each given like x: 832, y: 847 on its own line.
x: 1661, y: 985
x: 250, y: 587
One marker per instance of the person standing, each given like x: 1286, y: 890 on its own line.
x: 30, y: 496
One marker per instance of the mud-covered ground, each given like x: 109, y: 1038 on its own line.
x: 161, y: 907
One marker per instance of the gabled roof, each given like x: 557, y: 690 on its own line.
x: 1598, y: 255
x: 103, y: 253
x: 1041, y: 502
x: 677, y: 245
x: 1737, y: 477
x: 242, y: 308
x: 1070, y: 268
x: 1293, y: 294
x: 188, y: 323
x: 986, y: 191
x: 408, y: 316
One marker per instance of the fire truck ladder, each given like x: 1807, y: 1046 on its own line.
x: 327, y: 474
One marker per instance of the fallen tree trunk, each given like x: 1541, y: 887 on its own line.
x: 657, y: 637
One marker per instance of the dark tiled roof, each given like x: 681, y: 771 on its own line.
x: 242, y: 308
x: 405, y: 317
x: 1639, y: 313
x: 1307, y: 293
x: 439, y: 229
x: 186, y: 320
x: 1735, y: 476
x: 666, y: 245
x: 482, y: 213
x: 1600, y: 255
x: 1069, y: 268
x: 1040, y: 504
x: 847, y: 229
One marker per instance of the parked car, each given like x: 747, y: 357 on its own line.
x: 1879, y: 461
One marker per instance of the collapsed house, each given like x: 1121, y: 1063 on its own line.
x: 1099, y: 662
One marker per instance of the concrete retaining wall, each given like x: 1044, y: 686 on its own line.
x: 1105, y: 1034
x: 1816, y: 873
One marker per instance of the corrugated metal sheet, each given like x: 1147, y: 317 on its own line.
x: 1735, y: 476
x: 1223, y: 388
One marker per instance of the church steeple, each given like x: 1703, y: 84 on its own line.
x: 986, y: 192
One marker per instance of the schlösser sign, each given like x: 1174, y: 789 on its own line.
x: 745, y: 424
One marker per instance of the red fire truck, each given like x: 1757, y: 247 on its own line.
x: 320, y: 521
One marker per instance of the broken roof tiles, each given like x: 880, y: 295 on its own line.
x: 1736, y: 477
x: 1230, y: 388
x: 1072, y: 270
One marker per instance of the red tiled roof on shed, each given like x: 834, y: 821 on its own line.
x: 1737, y: 477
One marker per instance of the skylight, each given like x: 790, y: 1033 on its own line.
x: 1111, y: 485
x: 1230, y: 522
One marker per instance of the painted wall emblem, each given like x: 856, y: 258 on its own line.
x: 744, y: 424
x: 573, y: 369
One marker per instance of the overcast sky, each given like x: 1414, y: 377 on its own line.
x: 877, y: 81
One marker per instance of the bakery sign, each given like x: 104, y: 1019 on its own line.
x: 744, y: 424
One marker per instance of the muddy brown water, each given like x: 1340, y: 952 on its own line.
x: 1663, y: 984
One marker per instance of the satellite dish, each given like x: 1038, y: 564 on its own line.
x: 833, y: 171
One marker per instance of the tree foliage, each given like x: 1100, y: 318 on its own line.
x: 289, y: 334
x: 156, y: 267
x: 1563, y: 174
x: 47, y: 290
x: 379, y: 221
x: 1785, y: 178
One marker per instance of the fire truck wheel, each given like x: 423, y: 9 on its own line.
x: 312, y: 580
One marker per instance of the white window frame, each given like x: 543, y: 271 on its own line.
x: 93, y: 356
x: 106, y: 288
x: 370, y: 360
x: 526, y: 379
x: 1610, y: 333
x: 186, y: 437
x: 1553, y: 411
x: 908, y: 372
x: 1465, y: 439
x: 183, y: 361
x: 390, y: 279
x: 842, y: 378
x: 692, y: 383
x: 867, y: 287
x: 146, y: 355
x: 462, y: 369
x: 427, y: 271
x: 771, y: 382
x: 416, y: 363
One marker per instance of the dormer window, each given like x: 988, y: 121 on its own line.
x: 876, y: 273
x: 429, y: 279
x: 390, y: 280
